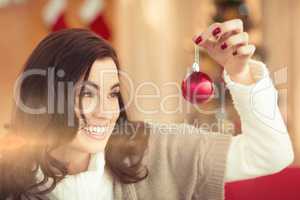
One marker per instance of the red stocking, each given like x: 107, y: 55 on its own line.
x: 92, y: 16
x: 54, y: 15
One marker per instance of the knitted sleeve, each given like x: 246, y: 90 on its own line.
x: 213, y: 148
x: 264, y: 147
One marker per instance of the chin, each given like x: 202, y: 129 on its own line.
x: 91, y: 143
x: 96, y: 147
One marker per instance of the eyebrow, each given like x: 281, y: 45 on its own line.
x: 97, y: 87
x: 115, y: 85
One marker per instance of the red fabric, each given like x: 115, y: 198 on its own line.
x: 99, y: 26
x: 281, y: 186
x: 59, y: 24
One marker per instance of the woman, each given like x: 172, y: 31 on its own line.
x: 77, y: 142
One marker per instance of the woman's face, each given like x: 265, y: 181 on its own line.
x: 100, y: 107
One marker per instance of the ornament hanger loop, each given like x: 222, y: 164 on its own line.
x: 196, y: 64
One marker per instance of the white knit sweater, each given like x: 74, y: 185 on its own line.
x: 264, y: 147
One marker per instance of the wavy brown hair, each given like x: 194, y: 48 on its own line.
x: 36, y: 134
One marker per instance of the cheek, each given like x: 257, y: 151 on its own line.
x: 85, y: 107
x: 118, y: 110
x: 115, y: 117
x: 115, y: 108
x: 89, y: 105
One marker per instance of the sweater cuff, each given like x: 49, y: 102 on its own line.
x: 244, y: 95
x: 258, y: 71
x: 214, y: 165
x: 218, y: 167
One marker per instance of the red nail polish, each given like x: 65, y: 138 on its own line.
x: 216, y: 31
x: 224, y: 46
x: 234, y: 53
x: 198, y: 40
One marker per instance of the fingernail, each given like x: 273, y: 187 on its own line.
x: 234, y: 53
x: 216, y: 31
x: 224, y: 46
x: 198, y: 40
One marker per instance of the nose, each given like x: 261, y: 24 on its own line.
x: 105, y: 109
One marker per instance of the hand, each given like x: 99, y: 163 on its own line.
x: 227, y: 44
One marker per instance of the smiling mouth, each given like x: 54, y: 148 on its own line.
x: 96, y: 132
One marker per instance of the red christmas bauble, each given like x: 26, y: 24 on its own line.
x: 197, y: 87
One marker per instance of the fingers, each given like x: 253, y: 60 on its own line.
x: 247, y: 50
x: 227, y: 36
x: 238, y: 45
x: 232, y: 26
x: 217, y: 30
x: 213, y: 30
x: 235, y: 41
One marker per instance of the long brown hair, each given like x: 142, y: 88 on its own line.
x: 72, y: 51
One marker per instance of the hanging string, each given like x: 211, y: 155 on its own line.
x: 196, y: 64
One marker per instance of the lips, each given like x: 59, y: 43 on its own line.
x: 96, y: 132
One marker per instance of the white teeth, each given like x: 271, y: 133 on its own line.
x: 95, y: 129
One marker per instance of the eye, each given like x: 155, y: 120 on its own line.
x: 87, y: 94
x: 115, y: 94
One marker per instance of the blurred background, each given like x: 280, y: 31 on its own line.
x: 154, y: 41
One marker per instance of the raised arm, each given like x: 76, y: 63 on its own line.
x: 264, y: 147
